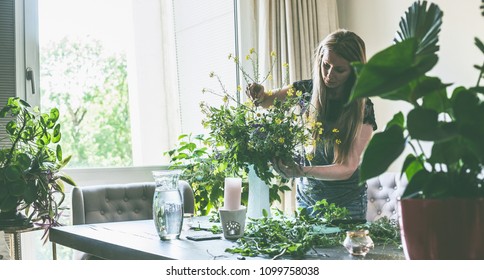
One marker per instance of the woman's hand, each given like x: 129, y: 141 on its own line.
x: 256, y: 93
x: 288, y: 170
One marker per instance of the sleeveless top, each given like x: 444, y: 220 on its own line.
x: 344, y: 193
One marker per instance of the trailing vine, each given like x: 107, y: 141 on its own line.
x: 294, y: 237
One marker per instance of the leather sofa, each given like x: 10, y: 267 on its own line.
x: 384, y: 191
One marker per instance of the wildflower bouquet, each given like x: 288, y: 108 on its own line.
x: 249, y: 135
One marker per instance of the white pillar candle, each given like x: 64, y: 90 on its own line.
x: 232, y: 193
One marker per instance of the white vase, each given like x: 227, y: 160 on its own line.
x: 258, y: 196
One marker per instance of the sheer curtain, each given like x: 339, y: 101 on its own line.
x: 153, y: 85
x: 292, y: 29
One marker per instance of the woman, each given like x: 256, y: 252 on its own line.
x: 331, y: 169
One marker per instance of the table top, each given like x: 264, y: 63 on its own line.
x: 138, y: 240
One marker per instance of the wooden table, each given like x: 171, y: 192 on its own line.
x: 138, y: 240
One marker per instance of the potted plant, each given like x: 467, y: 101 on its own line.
x: 30, y: 177
x: 442, y: 208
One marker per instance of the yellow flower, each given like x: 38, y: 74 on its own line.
x: 226, y: 98
x: 290, y: 91
x: 270, y: 93
x: 335, y: 130
x: 262, y: 129
x: 281, y: 140
x: 319, y: 124
x: 239, y: 88
x: 338, y: 141
x: 269, y: 77
x: 310, y: 156
x: 285, y: 65
x: 273, y: 54
x: 247, y: 57
x: 320, y: 131
x: 251, y: 51
x: 278, y: 121
x: 298, y: 93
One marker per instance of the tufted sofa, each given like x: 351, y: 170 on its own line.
x: 383, y: 194
x: 120, y: 202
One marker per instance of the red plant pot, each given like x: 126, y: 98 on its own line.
x: 450, y: 229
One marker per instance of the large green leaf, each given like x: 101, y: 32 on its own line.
x: 465, y: 105
x: 382, y: 150
x: 412, y: 165
x: 416, y: 184
x: 388, y: 73
x: 435, y: 95
x: 423, y: 124
x: 398, y: 119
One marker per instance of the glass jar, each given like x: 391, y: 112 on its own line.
x: 167, y: 204
x: 358, y: 242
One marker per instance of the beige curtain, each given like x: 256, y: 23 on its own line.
x: 291, y: 28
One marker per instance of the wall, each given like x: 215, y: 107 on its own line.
x: 376, y: 21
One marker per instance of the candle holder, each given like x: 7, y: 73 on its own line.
x: 233, y: 222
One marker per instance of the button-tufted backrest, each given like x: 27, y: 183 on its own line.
x: 383, y: 194
x: 119, y: 202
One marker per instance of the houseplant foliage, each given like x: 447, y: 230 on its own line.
x: 451, y: 122
x: 199, y: 160
x: 30, y: 177
x: 444, y: 199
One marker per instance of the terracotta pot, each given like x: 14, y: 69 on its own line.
x: 451, y: 229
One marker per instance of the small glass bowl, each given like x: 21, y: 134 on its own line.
x: 358, y: 242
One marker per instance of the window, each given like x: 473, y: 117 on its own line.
x: 127, y: 78
x: 105, y: 65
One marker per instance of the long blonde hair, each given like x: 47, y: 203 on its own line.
x: 351, y: 47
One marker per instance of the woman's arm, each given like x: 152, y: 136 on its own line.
x: 265, y: 99
x: 333, y: 171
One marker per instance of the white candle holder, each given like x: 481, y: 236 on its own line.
x: 233, y: 222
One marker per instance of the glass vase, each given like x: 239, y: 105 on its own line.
x: 167, y: 204
x: 258, y: 196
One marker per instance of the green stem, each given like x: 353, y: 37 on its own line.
x: 481, y: 74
